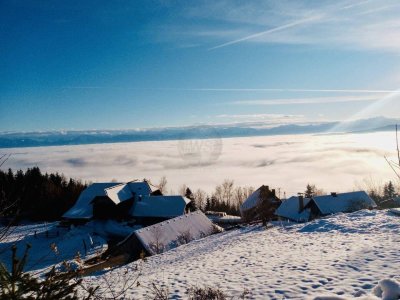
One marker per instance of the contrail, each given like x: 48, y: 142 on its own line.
x: 315, y: 100
x: 361, y: 91
x: 289, y: 25
x: 275, y: 29
x: 293, y: 90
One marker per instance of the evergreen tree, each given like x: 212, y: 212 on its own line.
x: 389, y: 191
x: 310, y: 190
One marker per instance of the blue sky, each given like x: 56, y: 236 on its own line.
x: 129, y: 64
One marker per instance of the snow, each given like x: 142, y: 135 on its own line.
x: 227, y: 219
x: 251, y: 201
x: 119, y: 193
x: 57, y: 245
x: 327, y: 204
x: 289, y: 209
x: 193, y: 226
x: 83, y: 208
x: 343, y: 202
x: 344, y: 255
x: 128, y: 190
x: 110, y: 229
x: 159, y: 206
x: 387, y: 289
x: 395, y: 211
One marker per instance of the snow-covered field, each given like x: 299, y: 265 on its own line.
x: 53, y: 247
x: 344, y: 255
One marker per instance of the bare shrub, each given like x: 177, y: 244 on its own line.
x: 158, y: 292
x: 162, y: 185
x: 395, y: 165
x: 157, y: 246
x: 184, y: 237
x: 206, y: 293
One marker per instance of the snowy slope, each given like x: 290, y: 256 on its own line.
x: 346, y: 254
x: 42, y: 254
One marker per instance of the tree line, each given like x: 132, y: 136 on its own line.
x: 226, y: 197
x: 37, y: 196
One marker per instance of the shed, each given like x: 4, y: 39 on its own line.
x: 166, y: 235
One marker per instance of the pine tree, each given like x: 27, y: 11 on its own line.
x: 310, y: 190
x: 389, y: 191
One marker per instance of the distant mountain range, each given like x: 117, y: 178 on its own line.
x: 58, y: 138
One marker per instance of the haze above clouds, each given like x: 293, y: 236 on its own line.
x: 332, y: 162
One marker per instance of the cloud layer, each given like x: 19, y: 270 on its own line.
x: 332, y: 162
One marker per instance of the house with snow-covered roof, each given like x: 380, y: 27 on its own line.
x: 293, y: 209
x: 135, y: 199
x: 302, y: 209
x: 261, y: 204
x: 83, y: 209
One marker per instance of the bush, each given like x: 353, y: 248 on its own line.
x: 206, y: 293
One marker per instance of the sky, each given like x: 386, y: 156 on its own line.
x: 131, y: 64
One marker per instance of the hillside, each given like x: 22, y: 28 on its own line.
x: 346, y: 254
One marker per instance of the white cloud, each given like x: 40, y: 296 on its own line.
x: 332, y: 162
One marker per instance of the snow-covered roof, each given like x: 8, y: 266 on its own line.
x: 119, y: 193
x: 83, y: 208
x: 166, y: 235
x: 289, y: 209
x: 252, y: 200
x: 140, y: 188
x: 159, y: 206
x: 344, y: 202
x: 327, y: 204
x: 126, y: 191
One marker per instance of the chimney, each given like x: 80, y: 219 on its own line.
x: 301, y: 203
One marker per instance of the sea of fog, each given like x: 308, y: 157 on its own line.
x: 287, y: 162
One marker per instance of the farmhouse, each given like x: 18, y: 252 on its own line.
x: 82, y: 211
x: 135, y: 199
x: 302, y: 209
x: 260, y: 205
